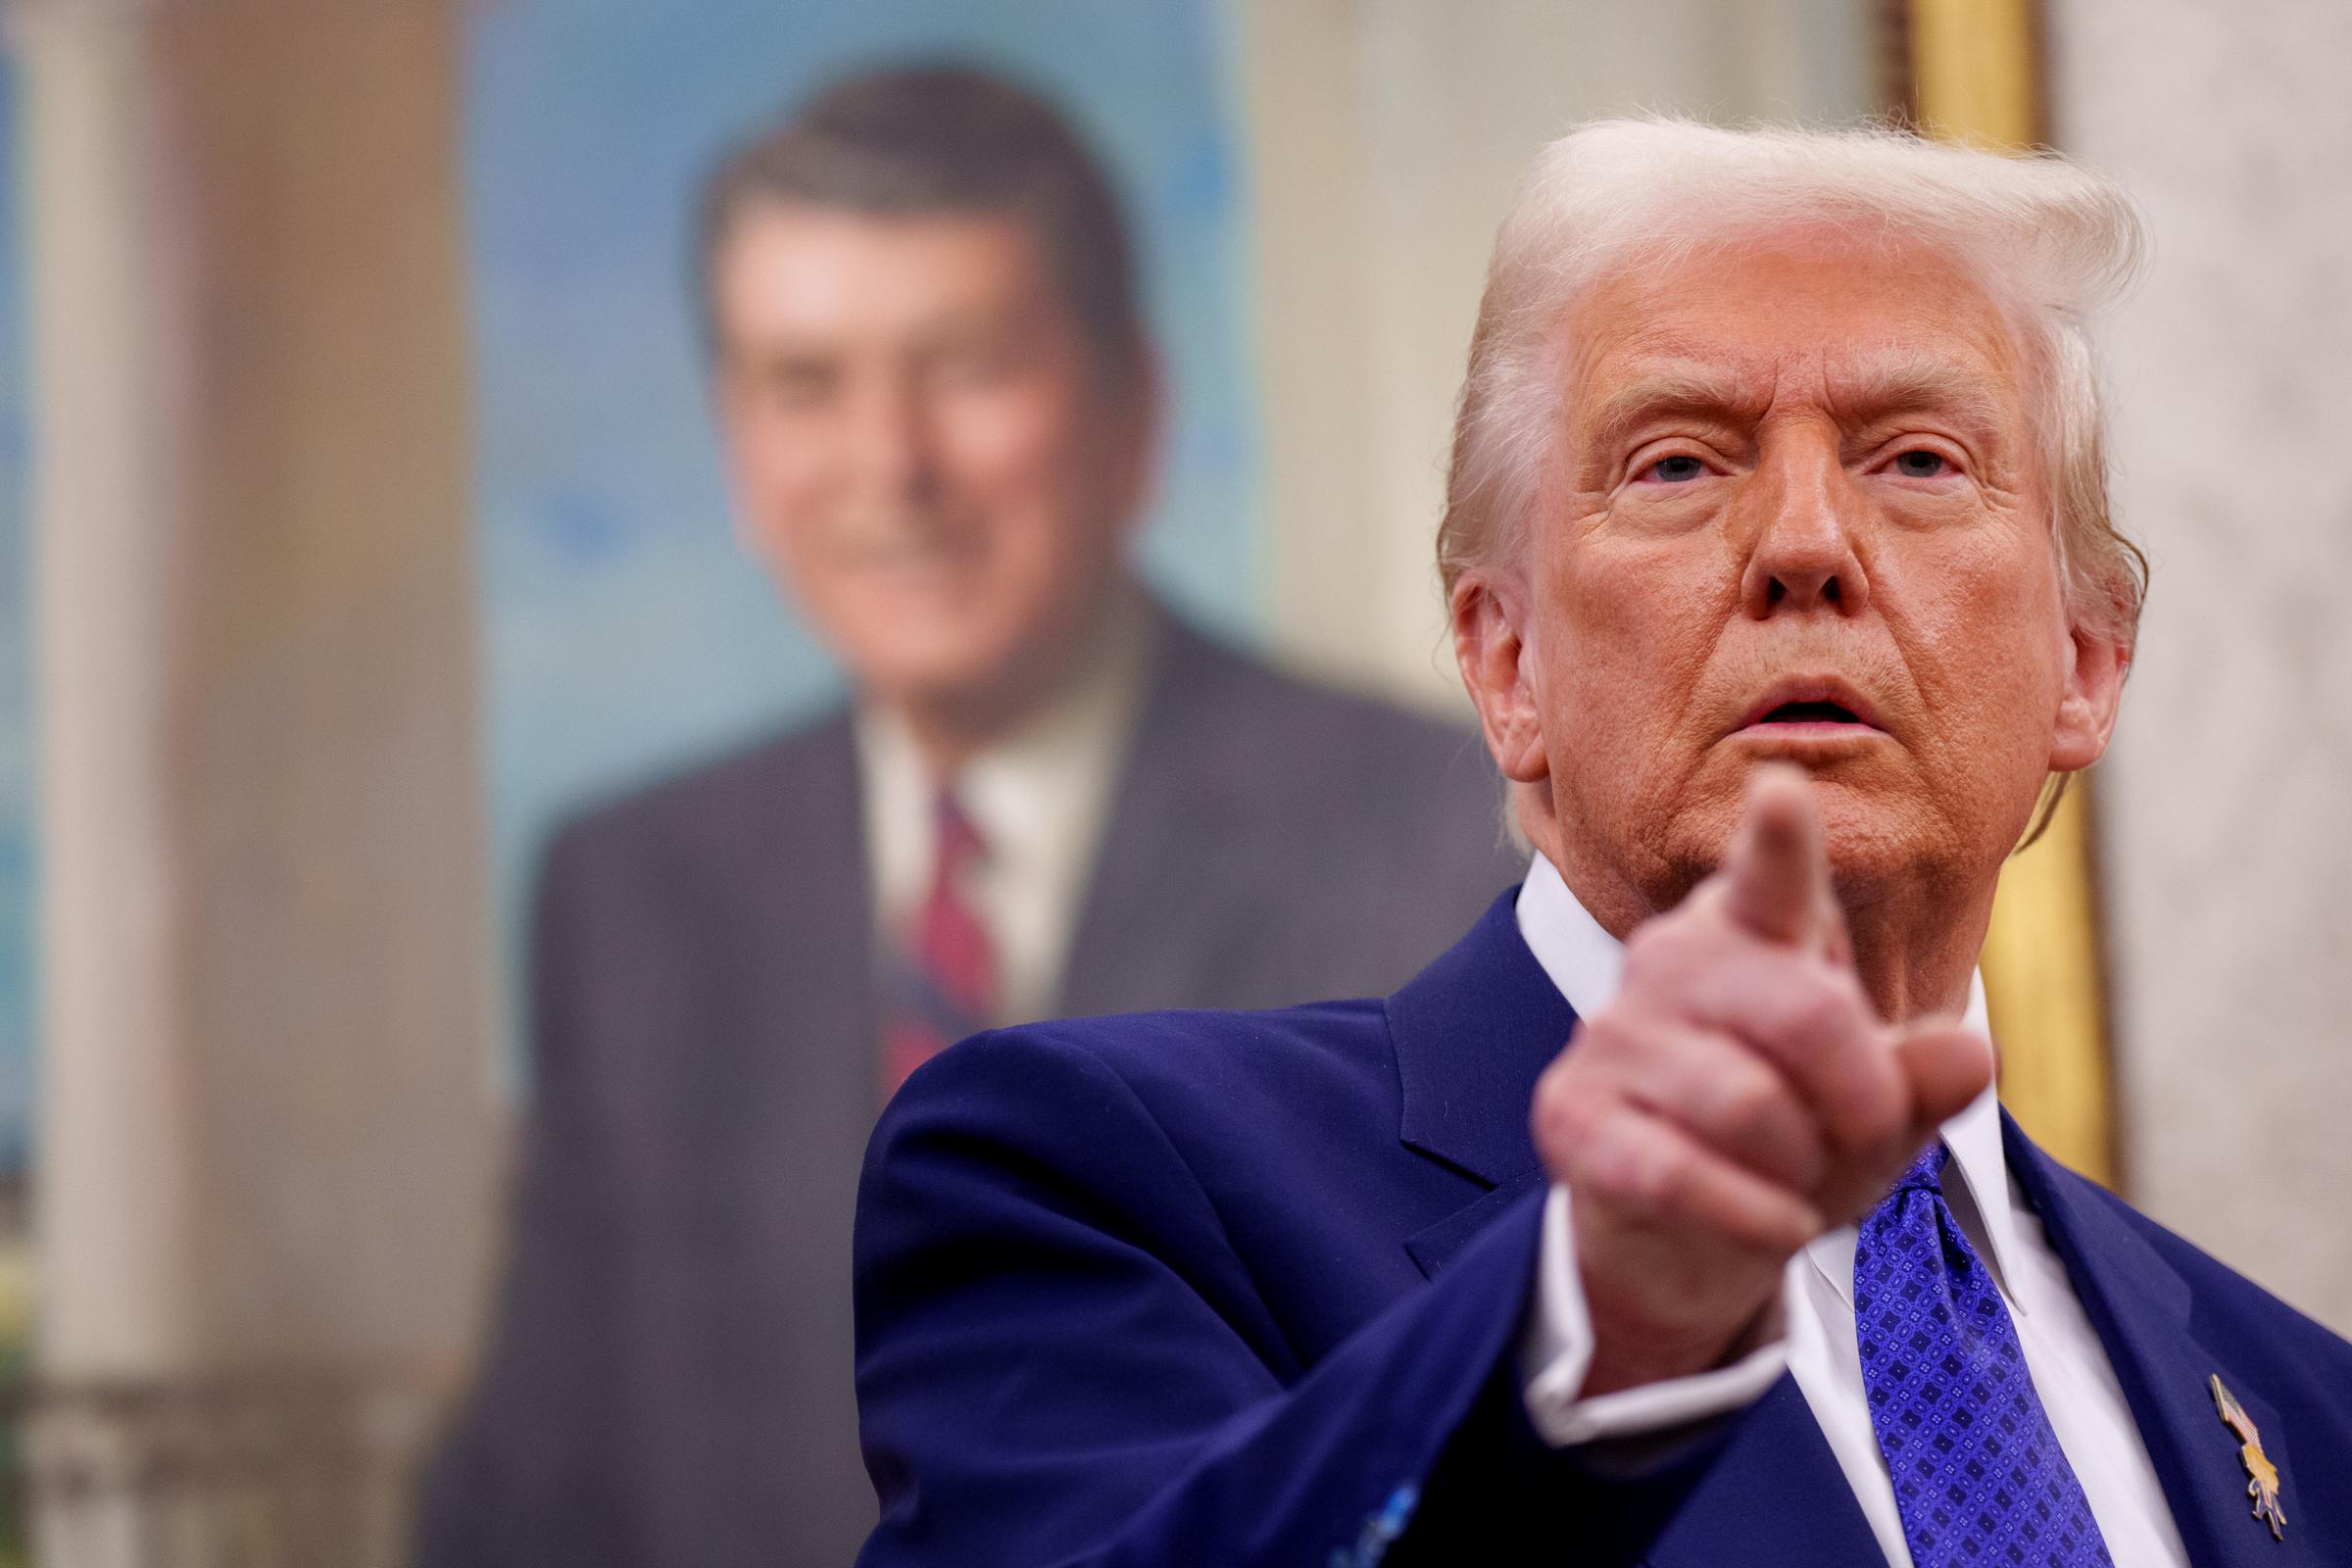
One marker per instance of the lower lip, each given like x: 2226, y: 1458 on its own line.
x: 1817, y: 731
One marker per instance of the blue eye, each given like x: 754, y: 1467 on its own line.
x: 1920, y: 463
x: 1681, y: 468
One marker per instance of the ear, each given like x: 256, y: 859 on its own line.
x: 2094, y: 691
x: 1489, y: 645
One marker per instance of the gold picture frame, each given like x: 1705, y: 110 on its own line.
x: 1974, y: 74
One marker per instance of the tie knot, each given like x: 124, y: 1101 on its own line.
x: 1926, y: 1173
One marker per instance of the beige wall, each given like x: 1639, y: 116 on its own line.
x: 1386, y: 137
x: 2227, y: 837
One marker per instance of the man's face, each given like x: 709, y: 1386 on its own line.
x: 921, y: 446
x: 1798, y: 513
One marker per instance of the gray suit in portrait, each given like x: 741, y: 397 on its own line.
x: 670, y: 1380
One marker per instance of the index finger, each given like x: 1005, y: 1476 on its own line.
x: 1779, y: 873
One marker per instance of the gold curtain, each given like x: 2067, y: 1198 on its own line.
x: 1974, y: 76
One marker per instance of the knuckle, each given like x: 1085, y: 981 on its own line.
x: 1823, y: 1006
x: 1872, y: 1111
x: 1760, y: 1116
x: 1791, y: 1226
x: 1663, y: 1176
x: 1747, y: 1103
x: 1585, y: 1117
x: 1570, y: 1112
x: 1620, y: 1162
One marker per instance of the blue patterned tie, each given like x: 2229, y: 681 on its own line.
x: 1979, y: 1476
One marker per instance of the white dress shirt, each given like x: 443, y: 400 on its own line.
x: 1040, y: 798
x: 1819, y: 1348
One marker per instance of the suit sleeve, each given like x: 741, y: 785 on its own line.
x: 1063, y: 1361
x: 525, y: 1476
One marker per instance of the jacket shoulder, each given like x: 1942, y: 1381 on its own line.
x: 1205, y: 1083
x: 1168, y: 1057
x: 1316, y: 760
x: 2264, y: 1345
x: 1256, y: 694
x: 711, y: 810
x: 2221, y: 1293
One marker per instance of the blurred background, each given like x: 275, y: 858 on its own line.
x: 364, y: 515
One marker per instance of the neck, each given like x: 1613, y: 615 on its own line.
x: 950, y: 728
x: 1916, y: 950
x: 1915, y: 939
x: 949, y: 733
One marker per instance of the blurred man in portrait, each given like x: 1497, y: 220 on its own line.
x: 1047, y: 794
x: 1670, y: 1216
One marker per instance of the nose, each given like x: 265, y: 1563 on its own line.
x: 1805, y: 518
x: 890, y: 443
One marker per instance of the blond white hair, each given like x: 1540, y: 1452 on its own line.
x: 2049, y: 241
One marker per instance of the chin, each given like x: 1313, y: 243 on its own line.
x: 936, y: 682
x: 944, y: 673
x: 1877, y: 836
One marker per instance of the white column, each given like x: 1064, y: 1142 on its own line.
x: 113, y: 468
x: 2227, y: 844
x: 265, y: 1128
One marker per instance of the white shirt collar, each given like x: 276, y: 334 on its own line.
x: 1039, y: 796
x: 1587, y: 966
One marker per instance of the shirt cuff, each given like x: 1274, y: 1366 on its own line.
x: 1556, y: 1352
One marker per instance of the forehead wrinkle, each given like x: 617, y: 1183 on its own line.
x: 1679, y: 383
x: 1866, y: 388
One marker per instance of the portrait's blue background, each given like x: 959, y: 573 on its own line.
x: 622, y: 630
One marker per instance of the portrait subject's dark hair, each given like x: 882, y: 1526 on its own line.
x: 943, y: 139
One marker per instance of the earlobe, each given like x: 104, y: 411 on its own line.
x: 1497, y: 670
x: 2094, y: 693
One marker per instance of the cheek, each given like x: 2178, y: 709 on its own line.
x: 1629, y: 626
x: 1014, y: 447
x: 785, y: 478
x: 1033, y: 472
x: 1987, y: 635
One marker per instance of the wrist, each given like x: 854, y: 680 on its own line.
x: 1629, y: 1352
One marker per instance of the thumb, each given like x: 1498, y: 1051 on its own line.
x: 1947, y: 1065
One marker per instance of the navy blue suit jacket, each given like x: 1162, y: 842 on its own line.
x: 1211, y: 1287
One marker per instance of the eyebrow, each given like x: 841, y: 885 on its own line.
x: 1861, y: 393
x: 1875, y: 389
x: 1695, y: 390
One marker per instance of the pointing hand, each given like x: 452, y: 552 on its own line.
x: 1739, y: 1097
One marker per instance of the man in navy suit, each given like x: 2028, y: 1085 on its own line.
x: 1782, y: 580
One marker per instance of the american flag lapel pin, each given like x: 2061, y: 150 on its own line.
x: 2261, y: 1475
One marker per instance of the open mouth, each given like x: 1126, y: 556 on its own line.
x: 1810, y: 706
x: 1813, y: 712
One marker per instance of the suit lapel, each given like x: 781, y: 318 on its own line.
x: 1162, y: 910
x: 2141, y: 1309
x: 792, y: 964
x: 1471, y: 1035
